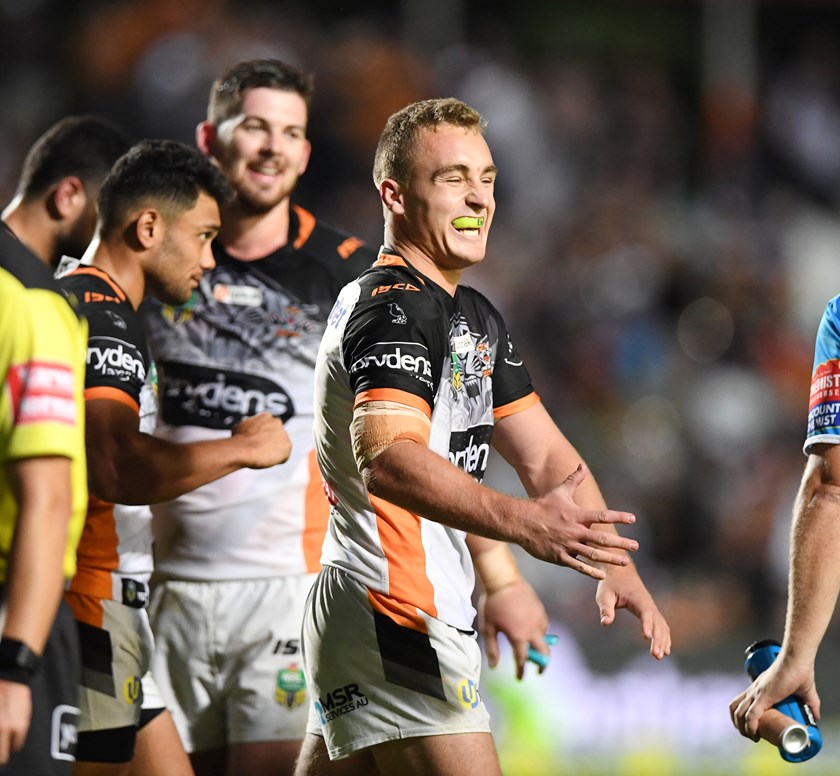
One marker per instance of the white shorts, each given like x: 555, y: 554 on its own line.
x: 228, y: 660
x: 374, y: 680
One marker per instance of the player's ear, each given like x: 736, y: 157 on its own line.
x: 148, y: 228
x: 305, y: 160
x: 67, y: 199
x: 205, y: 137
x: 391, y: 194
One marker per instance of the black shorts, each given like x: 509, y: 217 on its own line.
x: 50, y: 746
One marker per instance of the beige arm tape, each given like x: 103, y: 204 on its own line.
x: 378, y: 424
x: 496, y: 568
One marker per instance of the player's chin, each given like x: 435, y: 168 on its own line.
x: 176, y: 296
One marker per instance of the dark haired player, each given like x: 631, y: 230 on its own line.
x: 158, y: 214
x: 237, y: 557
x: 53, y: 211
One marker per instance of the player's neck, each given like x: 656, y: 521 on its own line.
x: 447, y: 279
x: 250, y: 236
x: 31, y: 230
x: 123, y: 266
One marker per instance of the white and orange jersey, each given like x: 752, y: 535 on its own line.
x: 116, y: 540
x: 395, y: 335
x: 246, y: 343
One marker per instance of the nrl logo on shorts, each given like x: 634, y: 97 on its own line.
x: 291, y: 687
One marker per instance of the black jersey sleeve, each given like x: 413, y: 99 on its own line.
x: 117, y: 354
x: 396, y: 337
x: 511, y: 380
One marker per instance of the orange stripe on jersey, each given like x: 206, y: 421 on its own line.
x: 402, y: 545
x: 96, y: 557
x: 389, y: 260
x: 316, y: 515
x: 112, y: 394
x: 515, y: 406
x: 394, y: 395
x: 307, y: 224
x: 392, y: 260
x: 86, y: 608
x: 88, y: 270
x: 98, y: 547
x: 401, y: 613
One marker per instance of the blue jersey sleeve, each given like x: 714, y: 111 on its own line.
x: 824, y: 402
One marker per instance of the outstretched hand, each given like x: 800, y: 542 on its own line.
x: 623, y: 589
x: 566, y: 537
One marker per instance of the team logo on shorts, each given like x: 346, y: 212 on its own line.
x: 291, y: 687
x: 468, y: 693
x: 133, y: 690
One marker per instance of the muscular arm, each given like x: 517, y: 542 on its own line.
x: 552, y: 528
x: 127, y: 466
x: 542, y: 456
x: 815, y: 547
x: 813, y: 588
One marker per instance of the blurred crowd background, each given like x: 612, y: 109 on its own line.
x: 666, y: 238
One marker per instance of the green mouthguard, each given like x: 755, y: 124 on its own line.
x: 468, y: 222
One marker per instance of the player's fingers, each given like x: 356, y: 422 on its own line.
x: 605, y: 516
x: 4, y: 746
x: 597, y: 555
x: 491, y: 645
x: 596, y: 539
x: 578, y: 565
x: 520, y: 652
x: 606, y: 611
x: 660, y: 645
x: 733, y: 705
x: 751, y: 718
x: 18, y: 739
x: 575, y: 478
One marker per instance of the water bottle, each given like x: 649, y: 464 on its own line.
x: 792, y: 727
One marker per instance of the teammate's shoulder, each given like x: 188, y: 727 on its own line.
x: 328, y: 242
x: 91, y: 286
x: 832, y: 307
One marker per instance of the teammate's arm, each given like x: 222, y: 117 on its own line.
x: 507, y: 603
x: 35, y: 578
x: 553, y: 527
x: 812, y: 593
x: 541, y: 455
x: 127, y: 466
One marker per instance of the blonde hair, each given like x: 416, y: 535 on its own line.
x: 395, y: 150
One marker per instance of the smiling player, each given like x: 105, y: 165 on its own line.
x: 407, y: 407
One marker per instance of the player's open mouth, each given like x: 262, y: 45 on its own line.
x: 266, y: 170
x: 469, y: 225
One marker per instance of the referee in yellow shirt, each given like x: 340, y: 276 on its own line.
x: 43, y: 497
